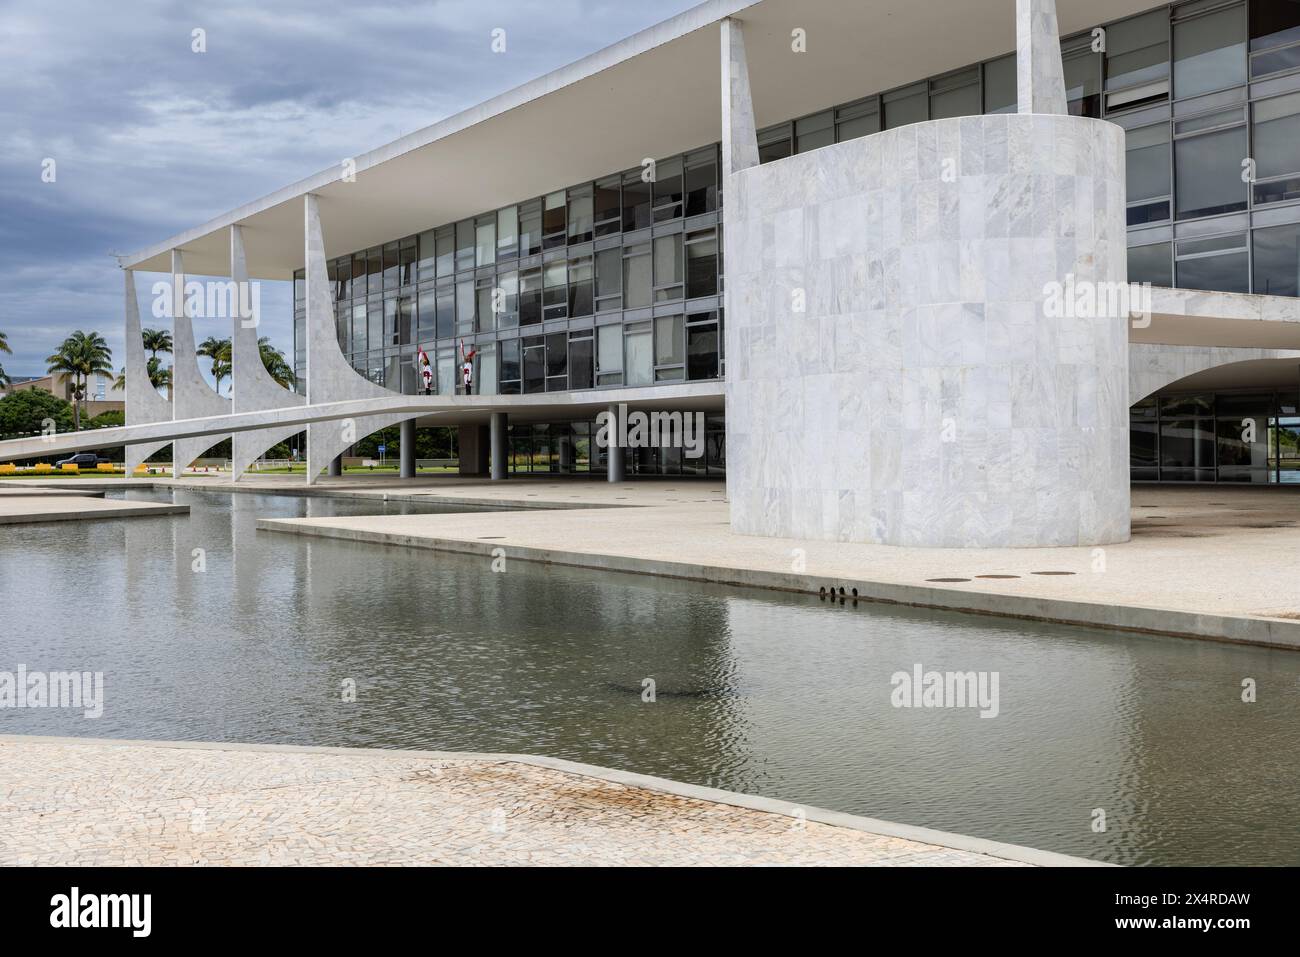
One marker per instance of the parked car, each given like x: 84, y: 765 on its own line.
x: 83, y: 460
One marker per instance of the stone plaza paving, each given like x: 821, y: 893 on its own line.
x: 93, y: 803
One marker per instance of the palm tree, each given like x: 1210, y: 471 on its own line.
x: 4, y: 347
x: 276, y: 364
x: 158, y: 376
x: 156, y: 341
x: 81, y: 355
x: 218, y: 350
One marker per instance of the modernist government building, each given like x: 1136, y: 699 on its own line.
x: 832, y: 228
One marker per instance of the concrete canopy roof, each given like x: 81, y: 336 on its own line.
x: 653, y: 94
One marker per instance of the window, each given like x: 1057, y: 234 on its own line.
x: 814, y: 132
x: 1000, y: 85
x: 1210, y: 52
x: 1277, y: 260
x: 484, y: 294
x: 774, y: 143
x: 359, y: 327
x: 530, y: 228
x: 375, y: 270
x: 508, y: 232
x: 1082, y: 79
x: 636, y: 275
x: 1216, y: 265
x: 667, y: 189
x: 392, y: 266
x: 581, y: 207
x: 406, y: 261
x: 1277, y: 148
x: 405, y: 320
x: 485, y: 241
x: 580, y: 360
x: 446, y: 312
x: 343, y: 326
x: 1274, y: 36
x: 609, y: 279
x: 607, y: 206
x: 530, y: 297
x: 375, y: 324
x: 446, y: 251
x: 1208, y: 169
x: 428, y: 255
x: 668, y: 268
x: 426, y: 315
x: 485, y: 376
x: 857, y: 119
x: 702, y: 182
x: 465, y: 307
x: 636, y: 201
x: 580, y: 286
x: 702, y: 264
x: 1137, y: 60
x: 638, y: 354
x: 448, y: 378
x: 553, y: 233
x: 910, y: 105
x: 1149, y: 195
x: 343, y: 274
x: 555, y: 290
x: 507, y: 300
x: 535, y: 364
x: 390, y: 323
x: 670, y: 357
x: 957, y: 94
x: 511, y: 367
x: 702, y: 347
x: 609, y: 355
x: 465, y: 247
x: 1153, y: 264
x: 557, y: 362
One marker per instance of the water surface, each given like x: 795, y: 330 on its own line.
x: 759, y: 692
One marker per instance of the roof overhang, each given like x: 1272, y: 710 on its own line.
x: 653, y: 94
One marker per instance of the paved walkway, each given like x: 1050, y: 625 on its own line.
x: 22, y: 503
x: 86, y: 802
x: 1214, y: 562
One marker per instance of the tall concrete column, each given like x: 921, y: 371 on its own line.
x: 143, y: 403
x: 500, y: 431
x: 614, y: 454
x: 335, y: 467
x: 1040, y: 75
x: 739, y: 134
x: 407, y: 449
x: 472, y: 442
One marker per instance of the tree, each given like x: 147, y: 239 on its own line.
x: 218, y: 350
x: 30, y: 411
x: 81, y: 355
x: 156, y: 341
x: 158, y: 376
x: 277, y: 366
x: 4, y: 347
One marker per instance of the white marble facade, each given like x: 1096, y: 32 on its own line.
x: 893, y: 375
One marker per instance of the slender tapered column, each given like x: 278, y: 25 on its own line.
x: 614, y: 454
x: 251, y: 386
x: 407, y: 450
x: 739, y: 134
x: 500, y: 430
x: 1040, y: 75
x: 192, y: 397
x: 143, y: 403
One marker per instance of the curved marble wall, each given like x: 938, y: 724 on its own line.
x: 893, y: 372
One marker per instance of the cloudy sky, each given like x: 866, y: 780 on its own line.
x: 150, y: 138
